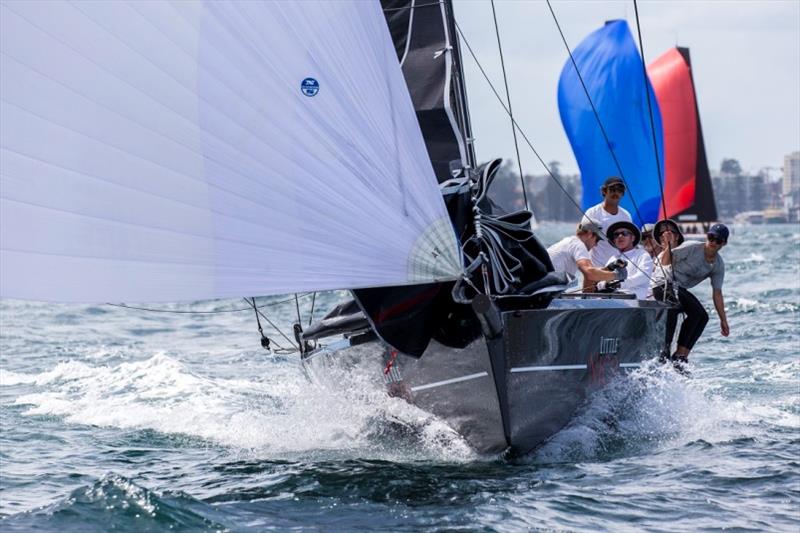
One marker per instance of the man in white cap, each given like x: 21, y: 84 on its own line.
x: 571, y: 254
x: 606, y: 213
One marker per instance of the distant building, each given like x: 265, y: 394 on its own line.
x: 738, y: 193
x: 791, y: 174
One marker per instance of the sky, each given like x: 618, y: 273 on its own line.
x: 745, y: 60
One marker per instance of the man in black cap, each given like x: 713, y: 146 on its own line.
x: 686, y: 265
x: 606, y: 213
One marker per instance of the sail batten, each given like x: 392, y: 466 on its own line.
x: 172, y: 151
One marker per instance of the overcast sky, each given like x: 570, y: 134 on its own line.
x: 745, y: 60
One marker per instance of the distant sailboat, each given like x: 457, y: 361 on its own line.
x: 610, y: 67
x: 688, y: 194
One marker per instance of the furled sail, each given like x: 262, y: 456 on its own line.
x: 688, y: 193
x: 611, y: 68
x: 169, y: 151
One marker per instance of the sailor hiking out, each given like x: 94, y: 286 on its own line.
x: 606, y: 213
x: 684, y: 266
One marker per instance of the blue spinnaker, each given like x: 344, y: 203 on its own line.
x: 611, y: 68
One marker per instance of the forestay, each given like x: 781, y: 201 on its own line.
x: 156, y: 151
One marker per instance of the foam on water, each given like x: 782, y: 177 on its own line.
x: 277, y: 414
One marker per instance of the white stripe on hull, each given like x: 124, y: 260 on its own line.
x: 449, y: 381
x: 549, y: 368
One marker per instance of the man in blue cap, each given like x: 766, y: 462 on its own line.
x: 686, y: 265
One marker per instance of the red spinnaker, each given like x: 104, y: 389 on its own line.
x: 672, y: 83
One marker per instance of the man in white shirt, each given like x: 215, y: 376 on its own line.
x: 572, y: 254
x: 606, y: 213
x: 625, y: 237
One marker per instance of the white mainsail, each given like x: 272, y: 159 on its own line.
x: 173, y: 151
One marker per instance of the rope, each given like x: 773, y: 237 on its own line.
x: 650, y: 110
x: 510, y: 112
x: 297, y: 307
x: 276, y: 328
x: 313, y: 301
x: 151, y: 310
x: 390, y: 9
x: 596, y: 115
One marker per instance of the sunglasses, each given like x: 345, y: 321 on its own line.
x: 616, y: 188
x: 714, y: 239
x: 622, y: 233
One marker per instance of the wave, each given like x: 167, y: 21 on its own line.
x: 117, y: 503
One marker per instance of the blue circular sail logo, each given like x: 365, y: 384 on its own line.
x: 310, y: 87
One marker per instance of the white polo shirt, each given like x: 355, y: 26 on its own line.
x: 604, y: 251
x: 566, y: 253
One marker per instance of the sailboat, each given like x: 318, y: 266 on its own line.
x: 160, y: 151
x: 688, y: 193
x: 663, y: 161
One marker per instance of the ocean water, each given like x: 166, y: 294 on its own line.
x: 128, y: 420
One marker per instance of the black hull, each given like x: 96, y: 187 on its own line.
x: 517, y: 389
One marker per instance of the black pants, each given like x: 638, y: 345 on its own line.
x: 693, y: 325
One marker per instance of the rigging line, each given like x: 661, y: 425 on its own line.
x: 596, y: 115
x: 297, y: 307
x: 650, y: 110
x: 530, y: 145
x: 152, y: 310
x: 521, y: 131
x: 417, y: 6
x: 313, y: 301
x: 276, y: 328
x: 510, y: 112
x: 653, y: 131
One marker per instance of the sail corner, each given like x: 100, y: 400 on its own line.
x: 435, y: 255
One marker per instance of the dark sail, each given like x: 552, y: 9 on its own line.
x: 428, y: 52
x: 427, y: 47
x: 407, y: 318
x: 687, y: 186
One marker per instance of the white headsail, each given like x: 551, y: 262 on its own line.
x: 168, y: 151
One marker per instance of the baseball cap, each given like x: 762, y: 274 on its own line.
x: 587, y: 225
x: 720, y: 231
x: 613, y: 180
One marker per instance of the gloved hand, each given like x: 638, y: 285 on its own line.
x: 615, y: 263
x: 608, y: 286
x: 621, y: 274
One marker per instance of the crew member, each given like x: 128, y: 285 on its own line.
x: 625, y: 237
x: 649, y: 242
x: 571, y: 254
x: 686, y: 265
x: 606, y: 213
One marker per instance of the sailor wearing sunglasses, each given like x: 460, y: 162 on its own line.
x: 625, y: 237
x: 686, y: 265
x: 606, y: 213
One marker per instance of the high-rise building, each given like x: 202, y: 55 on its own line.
x: 791, y: 174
